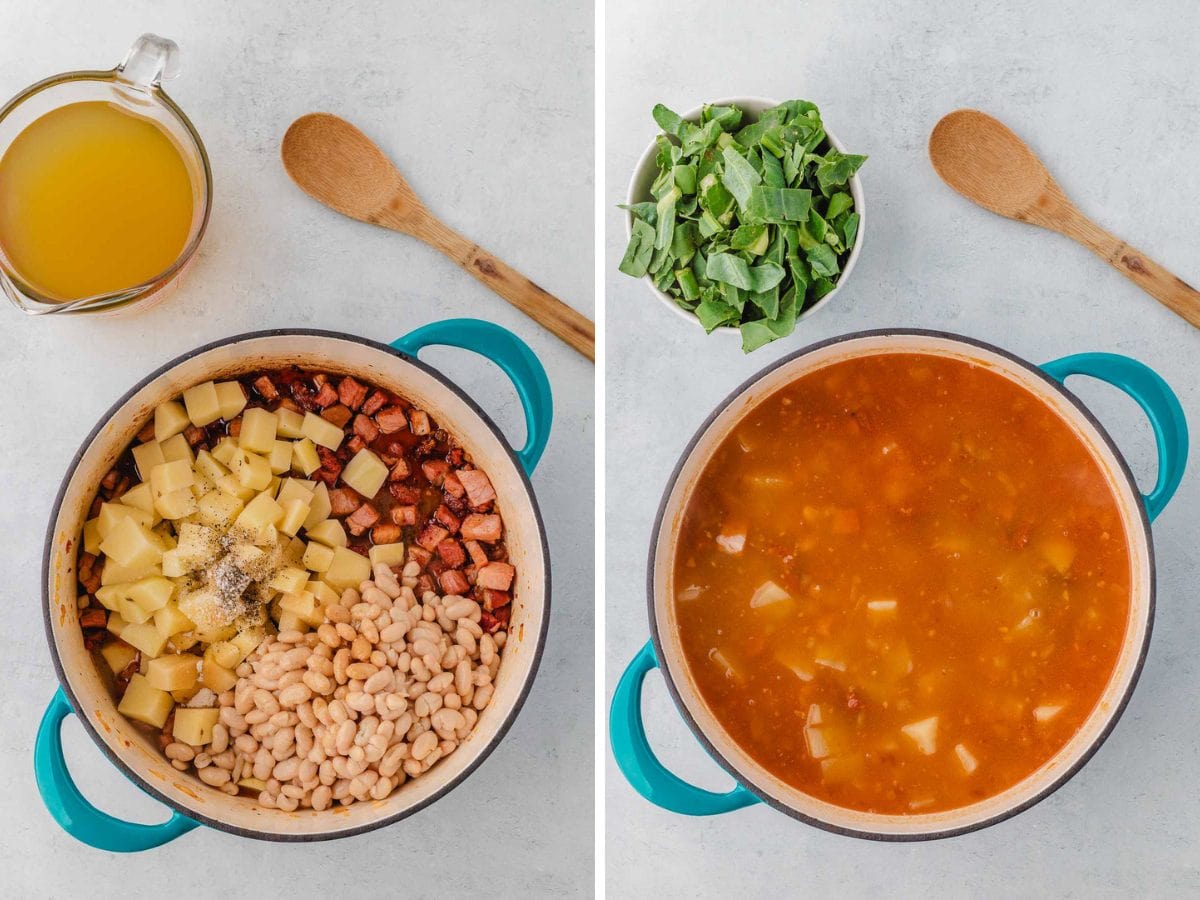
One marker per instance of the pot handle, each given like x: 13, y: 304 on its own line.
x: 1157, y: 401
x: 513, y: 356
x: 72, y: 810
x: 641, y: 767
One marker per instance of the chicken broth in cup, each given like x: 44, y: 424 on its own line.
x: 902, y: 583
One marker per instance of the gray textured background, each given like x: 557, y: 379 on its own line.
x: 488, y: 110
x: 1108, y: 94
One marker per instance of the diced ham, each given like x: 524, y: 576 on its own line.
x: 266, y: 387
x: 365, y: 428
x: 447, y: 518
x: 391, y: 420
x: 435, y: 470
x: 418, y: 421
x: 193, y: 435
x: 431, y: 535
x: 452, y: 486
x: 495, y: 600
x: 436, y: 567
x: 405, y: 495
x: 147, y: 433
x: 496, y: 576
x: 355, y: 443
x: 454, y: 582
x: 478, y: 554
x: 303, y: 396
x: 385, y: 533
x: 424, y: 583
x: 109, y: 481
x: 289, y: 403
x: 476, y: 527
x: 326, y: 396
x: 351, y: 393
x: 329, y: 461
x: 478, y: 485
x: 452, y: 553
x: 93, y: 618
x: 344, y: 501
x: 326, y: 475
x: 339, y: 415
x: 493, y: 622
x: 420, y: 555
x: 362, y: 519
x: 400, y: 470
x: 320, y: 379
x: 375, y: 403
x: 455, y: 457
x: 404, y: 515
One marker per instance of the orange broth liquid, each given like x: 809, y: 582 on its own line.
x: 902, y: 583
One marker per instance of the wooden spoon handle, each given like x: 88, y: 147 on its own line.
x: 1165, y: 287
x: 540, y: 305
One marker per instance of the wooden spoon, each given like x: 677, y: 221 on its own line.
x: 335, y: 163
x: 984, y: 161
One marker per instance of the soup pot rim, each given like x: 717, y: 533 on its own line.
x: 740, y: 779
x: 334, y: 833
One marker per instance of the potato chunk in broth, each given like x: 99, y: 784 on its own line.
x: 902, y: 583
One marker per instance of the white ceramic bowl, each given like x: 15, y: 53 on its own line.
x: 646, y: 170
x: 135, y: 750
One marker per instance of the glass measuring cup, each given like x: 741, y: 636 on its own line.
x: 135, y: 86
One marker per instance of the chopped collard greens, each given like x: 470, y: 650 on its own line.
x: 750, y: 222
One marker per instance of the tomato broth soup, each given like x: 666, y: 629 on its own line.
x: 902, y: 583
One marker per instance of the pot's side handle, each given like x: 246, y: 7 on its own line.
x: 1157, y: 401
x: 72, y: 810
x: 513, y: 356
x: 641, y: 767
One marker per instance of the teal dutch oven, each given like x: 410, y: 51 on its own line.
x: 135, y: 750
x: 753, y: 783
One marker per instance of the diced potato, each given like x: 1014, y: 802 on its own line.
x: 289, y: 580
x: 170, y: 621
x: 174, y: 672
x: 139, y: 497
x: 966, y: 759
x: 289, y: 424
x: 882, y: 608
x: 319, y: 505
x: 292, y: 622
x: 91, y: 536
x: 217, y: 678
x: 923, y: 734
x: 1059, y: 553
x: 171, y: 476
x: 152, y: 593
x: 318, y: 557
x: 118, y: 655
x: 234, y: 488
x: 770, y: 594
x: 132, y: 545
x: 145, y: 637
x: 348, y: 569
x: 231, y: 399
x: 323, y: 592
x: 218, y: 633
x: 113, y: 513
x: 259, y: 513
x: 815, y: 739
x: 1046, y: 713
x: 177, y: 448
x: 116, y: 625
x: 202, y: 404
x: 224, y: 654
x: 320, y: 432
x: 209, y: 465
x: 170, y: 419
x: 184, y: 695
x: 388, y: 554
x: 253, y: 784
x: 366, y: 473
x: 131, y: 612
x: 114, y: 573
x: 247, y: 641
x: 224, y: 450
x: 794, y: 660
x: 293, y: 551
x: 330, y: 533
x: 304, y: 606
x: 294, y: 514
x: 219, y: 509
x: 194, y: 727
x: 294, y: 489
x: 280, y: 457
x: 258, y: 430
x: 109, y: 596
x: 176, y: 505
x: 145, y: 703
x: 198, y: 544
x: 146, y: 456
x: 173, y: 564
x: 203, y: 606
x: 252, y: 471
x: 304, y: 457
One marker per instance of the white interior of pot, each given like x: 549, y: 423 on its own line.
x: 138, y: 749
x: 754, y: 775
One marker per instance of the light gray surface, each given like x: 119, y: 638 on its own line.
x: 1107, y: 93
x: 487, y: 109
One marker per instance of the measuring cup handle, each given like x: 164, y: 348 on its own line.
x: 150, y: 61
x: 1157, y: 401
